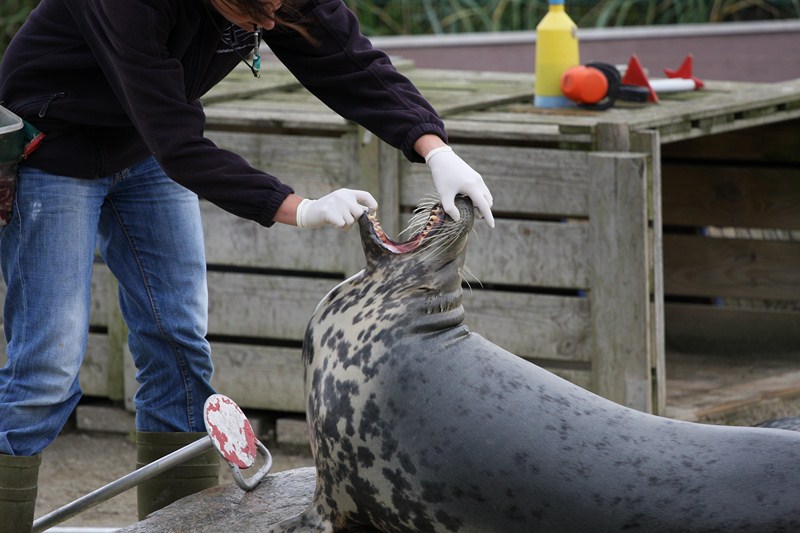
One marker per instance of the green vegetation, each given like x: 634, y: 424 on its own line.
x: 415, y: 17
x: 12, y: 14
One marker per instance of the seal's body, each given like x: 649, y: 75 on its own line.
x: 417, y: 424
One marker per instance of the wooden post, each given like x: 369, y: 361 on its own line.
x: 648, y: 142
x: 117, y: 339
x: 380, y: 171
x: 620, y: 279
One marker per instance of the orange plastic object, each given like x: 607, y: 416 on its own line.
x: 585, y: 85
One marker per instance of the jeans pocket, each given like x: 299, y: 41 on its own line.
x: 8, y: 188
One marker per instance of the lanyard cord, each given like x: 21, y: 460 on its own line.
x: 255, y: 66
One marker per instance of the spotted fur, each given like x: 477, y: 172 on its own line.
x: 417, y: 424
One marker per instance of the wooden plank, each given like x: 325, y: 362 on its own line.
x: 94, y: 373
x: 268, y: 377
x: 707, y: 266
x: 581, y: 378
x: 728, y: 330
x: 649, y: 142
x: 102, y: 294
x: 241, y: 84
x: 252, y: 115
x: 274, y: 307
x: 96, y: 368
x: 777, y: 143
x: 523, y: 181
x: 260, y: 377
x: 117, y: 338
x: 313, y: 165
x: 233, y: 241
x: 460, y: 129
x: 456, y: 92
x: 380, y: 169
x: 533, y: 326
x: 529, y: 253
x: 731, y: 195
x: 620, y: 280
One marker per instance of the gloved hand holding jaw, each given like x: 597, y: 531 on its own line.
x: 451, y: 176
x: 340, y: 209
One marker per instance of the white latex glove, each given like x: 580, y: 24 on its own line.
x: 451, y: 176
x: 340, y: 209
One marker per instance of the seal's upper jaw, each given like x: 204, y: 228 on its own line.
x: 371, y: 231
x: 377, y: 235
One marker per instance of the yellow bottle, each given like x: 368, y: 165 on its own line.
x: 556, y: 51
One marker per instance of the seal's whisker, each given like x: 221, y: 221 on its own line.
x: 465, y: 271
x: 421, y: 214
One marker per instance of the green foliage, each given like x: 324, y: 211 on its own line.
x: 12, y: 14
x: 415, y: 17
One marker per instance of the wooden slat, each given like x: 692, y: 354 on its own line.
x: 731, y: 195
x: 529, y: 253
x: 250, y: 305
x: 241, y: 84
x: 100, y: 299
x: 259, y: 377
x: 533, y: 326
x: 620, y: 280
x: 312, y: 165
x: 727, y: 330
x: 463, y: 128
x: 774, y: 143
x: 93, y: 376
x: 648, y: 142
x: 705, y: 266
x: 232, y: 241
x: 523, y: 181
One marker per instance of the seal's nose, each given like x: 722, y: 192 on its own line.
x: 466, y: 208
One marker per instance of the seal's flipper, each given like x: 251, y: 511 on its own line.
x: 309, y: 520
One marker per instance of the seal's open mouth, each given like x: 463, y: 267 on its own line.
x: 435, y: 219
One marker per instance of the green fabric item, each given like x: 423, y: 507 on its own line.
x: 194, y: 475
x: 18, y: 487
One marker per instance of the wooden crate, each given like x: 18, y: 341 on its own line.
x: 573, y: 231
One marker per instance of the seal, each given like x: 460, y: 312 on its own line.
x: 418, y: 424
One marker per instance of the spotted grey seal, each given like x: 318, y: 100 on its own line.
x: 418, y: 424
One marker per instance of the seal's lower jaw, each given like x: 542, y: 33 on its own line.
x: 435, y: 219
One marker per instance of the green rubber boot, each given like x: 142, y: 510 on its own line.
x: 194, y: 475
x: 18, y: 486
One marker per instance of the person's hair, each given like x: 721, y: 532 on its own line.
x: 287, y: 16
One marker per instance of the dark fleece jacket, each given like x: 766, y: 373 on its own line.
x: 111, y: 82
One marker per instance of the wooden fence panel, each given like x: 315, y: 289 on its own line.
x: 731, y: 195
x: 713, y: 267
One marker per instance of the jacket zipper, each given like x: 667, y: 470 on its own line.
x: 43, y: 110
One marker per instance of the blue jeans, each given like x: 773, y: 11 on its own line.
x: 148, y: 231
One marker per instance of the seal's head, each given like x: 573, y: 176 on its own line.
x: 433, y: 255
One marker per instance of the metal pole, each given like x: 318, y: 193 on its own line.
x: 122, y: 484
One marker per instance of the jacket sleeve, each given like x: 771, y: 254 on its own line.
x: 129, y: 41
x: 341, y: 68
